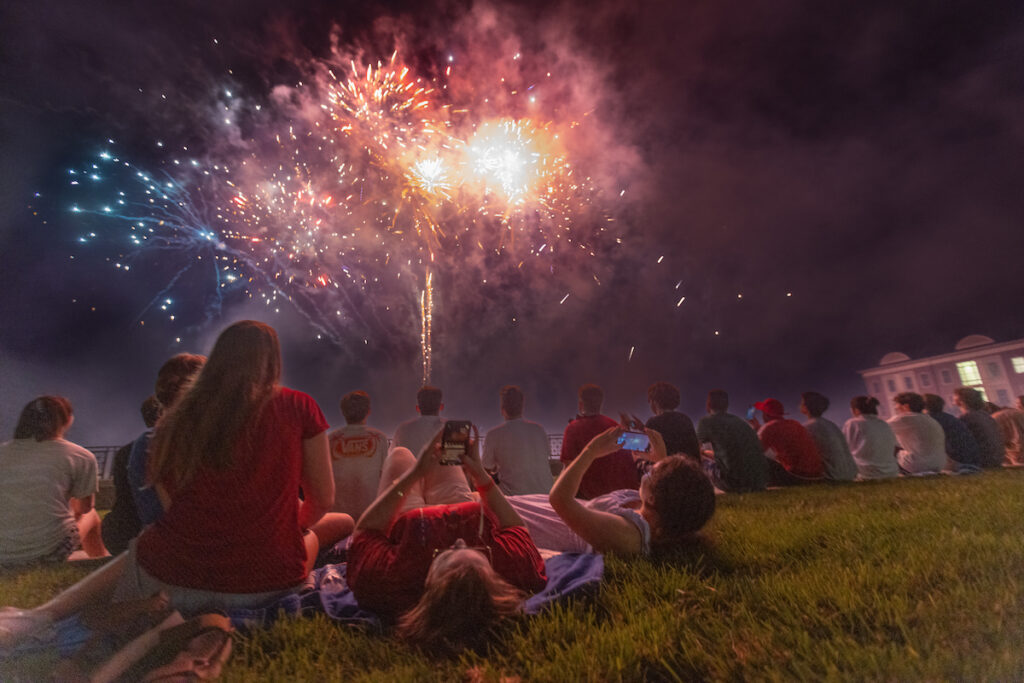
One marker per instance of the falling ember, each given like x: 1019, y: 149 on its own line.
x: 426, y: 324
x: 631, y: 349
x: 680, y: 302
x: 563, y: 299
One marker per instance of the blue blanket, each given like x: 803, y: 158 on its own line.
x: 328, y: 593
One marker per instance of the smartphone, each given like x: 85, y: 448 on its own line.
x: 751, y: 411
x: 455, y: 441
x: 634, y: 441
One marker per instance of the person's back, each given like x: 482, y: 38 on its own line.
x: 122, y: 523
x: 39, y: 478
x: 678, y: 431
x: 357, y: 456
x: 610, y: 473
x: 873, y: 446
x: 793, y: 446
x: 520, y: 452
x: 447, y: 484
x: 961, y: 448
x: 922, y: 443
x: 991, y: 450
x: 835, y: 452
x: 737, y: 451
x: 1011, y: 424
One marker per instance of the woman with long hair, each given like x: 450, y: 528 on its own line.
x: 47, y: 489
x: 448, y: 573
x: 228, y: 462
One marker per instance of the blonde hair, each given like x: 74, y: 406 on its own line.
x: 203, y: 427
x: 459, y: 609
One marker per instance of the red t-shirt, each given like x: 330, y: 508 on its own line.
x: 237, y: 530
x: 794, y: 448
x: 607, y: 474
x: 386, y: 572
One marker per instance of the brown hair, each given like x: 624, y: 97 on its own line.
x: 355, y: 406
x: 971, y: 398
x: 150, y: 410
x: 459, y: 609
x: 933, y: 403
x: 592, y: 398
x: 664, y: 395
x: 203, y: 427
x: 175, y: 375
x: 428, y: 399
x: 866, y: 405
x: 816, y: 403
x: 718, y: 400
x: 43, y: 418
x: 683, y: 498
x: 512, y: 400
x: 910, y: 399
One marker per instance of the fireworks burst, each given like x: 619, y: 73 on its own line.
x: 343, y: 212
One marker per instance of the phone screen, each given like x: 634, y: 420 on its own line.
x: 634, y: 441
x: 751, y: 411
x: 455, y: 441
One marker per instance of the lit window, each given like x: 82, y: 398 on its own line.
x: 908, y: 382
x: 892, y: 386
x: 993, y: 369
x: 1018, y: 364
x: 946, y: 377
x: 969, y: 375
x: 925, y: 381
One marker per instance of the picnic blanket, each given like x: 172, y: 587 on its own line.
x: 327, y: 592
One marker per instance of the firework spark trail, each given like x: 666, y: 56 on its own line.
x: 426, y: 325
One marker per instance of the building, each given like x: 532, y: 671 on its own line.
x: 996, y: 369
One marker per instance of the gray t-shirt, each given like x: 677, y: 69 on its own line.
x: 835, y: 452
x: 38, y: 480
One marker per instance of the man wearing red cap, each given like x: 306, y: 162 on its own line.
x: 793, y: 457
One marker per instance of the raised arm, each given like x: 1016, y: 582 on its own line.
x: 490, y: 494
x: 604, y: 531
x: 378, y: 516
x: 317, y: 480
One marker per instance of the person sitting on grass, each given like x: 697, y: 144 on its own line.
x: 675, y: 500
x: 227, y: 461
x: 47, y: 489
x: 991, y: 449
x: 921, y: 439
x: 793, y: 457
x: 448, y: 573
x: 961, y: 448
x: 871, y: 440
x: 835, y: 452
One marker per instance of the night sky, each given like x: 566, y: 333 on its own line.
x: 823, y: 185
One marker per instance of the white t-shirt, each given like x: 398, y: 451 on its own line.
x: 37, y: 479
x: 444, y: 485
x: 922, y: 442
x: 873, y: 447
x: 520, y: 451
x: 550, y: 532
x: 357, y: 456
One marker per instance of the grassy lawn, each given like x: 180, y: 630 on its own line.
x: 916, y: 579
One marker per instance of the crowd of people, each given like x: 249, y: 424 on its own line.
x: 237, y: 485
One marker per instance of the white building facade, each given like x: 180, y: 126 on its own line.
x: 996, y: 369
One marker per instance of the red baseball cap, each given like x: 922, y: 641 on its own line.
x: 771, y: 406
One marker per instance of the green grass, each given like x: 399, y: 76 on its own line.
x: 917, y: 579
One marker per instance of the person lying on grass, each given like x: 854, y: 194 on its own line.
x: 675, y: 500
x: 448, y: 573
x: 227, y: 462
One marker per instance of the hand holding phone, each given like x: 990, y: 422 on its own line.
x: 633, y: 441
x: 455, y: 441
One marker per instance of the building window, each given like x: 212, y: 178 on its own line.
x: 892, y: 386
x: 946, y: 377
x: 878, y: 387
x: 993, y: 369
x: 1018, y: 364
x: 908, y: 382
x: 925, y: 381
x: 1004, y: 397
x: 969, y: 375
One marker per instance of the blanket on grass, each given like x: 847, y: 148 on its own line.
x: 327, y: 592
